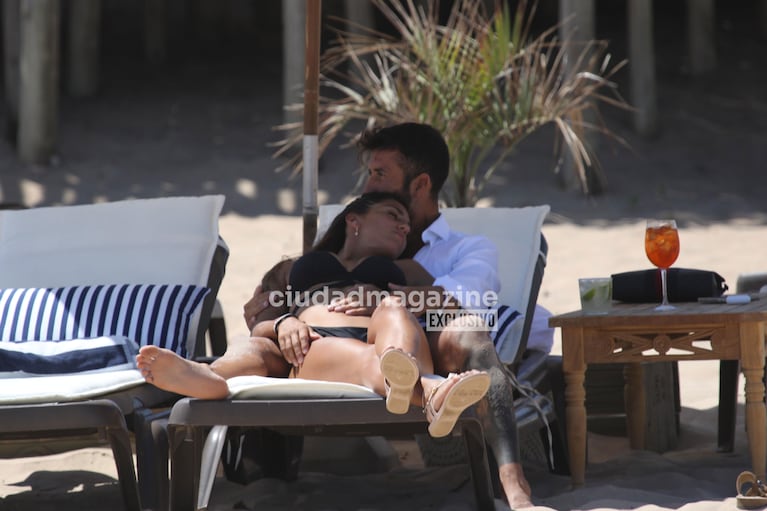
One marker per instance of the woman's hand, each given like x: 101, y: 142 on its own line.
x: 293, y: 338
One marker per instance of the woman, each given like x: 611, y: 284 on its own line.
x: 385, y: 351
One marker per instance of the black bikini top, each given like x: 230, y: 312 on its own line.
x: 324, y: 268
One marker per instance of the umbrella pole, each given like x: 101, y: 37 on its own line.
x: 311, y: 120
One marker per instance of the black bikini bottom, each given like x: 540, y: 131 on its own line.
x: 354, y: 332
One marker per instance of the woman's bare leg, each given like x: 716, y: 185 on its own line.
x: 168, y: 371
x: 349, y: 360
x: 246, y: 356
x: 251, y: 356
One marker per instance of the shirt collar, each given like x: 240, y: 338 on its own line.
x: 438, y: 230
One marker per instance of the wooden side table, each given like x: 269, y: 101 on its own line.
x: 636, y: 333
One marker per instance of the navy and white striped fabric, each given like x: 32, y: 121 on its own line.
x: 102, y: 354
x: 506, y: 316
x: 146, y: 313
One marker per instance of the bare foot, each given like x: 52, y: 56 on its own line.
x: 168, y: 371
x: 448, y: 398
x: 515, y: 485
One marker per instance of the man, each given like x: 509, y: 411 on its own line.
x: 413, y: 160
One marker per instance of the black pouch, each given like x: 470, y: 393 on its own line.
x: 684, y: 285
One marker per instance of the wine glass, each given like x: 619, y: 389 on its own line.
x: 661, y: 243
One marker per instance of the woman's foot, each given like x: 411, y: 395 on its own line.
x: 450, y: 397
x: 168, y: 371
x: 400, y: 372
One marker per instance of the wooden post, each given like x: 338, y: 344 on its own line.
x: 360, y: 13
x: 39, y: 80
x: 642, y: 67
x: 577, y: 21
x: 155, y: 31
x: 11, y: 22
x: 701, y: 37
x: 84, y: 47
x: 293, y: 26
x: 241, y: 15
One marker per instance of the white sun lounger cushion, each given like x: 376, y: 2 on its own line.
x: 66, y: 387
x: 260, y: 387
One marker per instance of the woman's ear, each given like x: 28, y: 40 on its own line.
x: 353, y: 221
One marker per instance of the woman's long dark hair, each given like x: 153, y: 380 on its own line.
x: 335, y: 237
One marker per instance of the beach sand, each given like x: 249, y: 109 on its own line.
x: 203, y: 128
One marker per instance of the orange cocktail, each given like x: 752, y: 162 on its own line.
x: 661, y: 243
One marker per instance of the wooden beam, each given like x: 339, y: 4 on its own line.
x: 763, y: 17
x: 642, y: 67
x: 360, y: 14
x: 84, y: 48
x: 701, y: 36
x: 576, y: 26
x: 293, y: 26
x: 11, y: 22
x: 39, y: 80
x: 155, y: 31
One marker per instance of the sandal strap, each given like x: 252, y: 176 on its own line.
x: 428, y: 407
x: 755, y: 487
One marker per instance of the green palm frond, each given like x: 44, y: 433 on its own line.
x: 480, y: 78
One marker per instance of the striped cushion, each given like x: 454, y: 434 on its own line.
x: 146, y: 313
x: 115, y: 353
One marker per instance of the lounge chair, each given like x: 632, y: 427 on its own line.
x: 322, y: 408
x: 165, y: 250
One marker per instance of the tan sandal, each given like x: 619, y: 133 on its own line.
x: 752, y: 493
x: 400, y: 372
x: 470, y: 388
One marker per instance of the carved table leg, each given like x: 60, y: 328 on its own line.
x: 634, y: 397
x: 752, y: 361
x: 574, y: 369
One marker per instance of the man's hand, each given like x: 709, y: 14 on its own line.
x: 258, y: 309
x: 420, y: 298
x: 293, y: 338
x: 361, y: 301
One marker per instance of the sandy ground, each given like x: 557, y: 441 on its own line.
x: 202, y: 127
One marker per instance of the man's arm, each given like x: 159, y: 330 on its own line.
x: 268, y: 300
x: 467, y: 269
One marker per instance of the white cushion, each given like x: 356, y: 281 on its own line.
x: 262, y: 387
x: 67, y: 387
x: 145, y: 313
x: 142, y: 241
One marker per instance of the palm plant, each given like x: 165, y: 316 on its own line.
x: 486, y: 82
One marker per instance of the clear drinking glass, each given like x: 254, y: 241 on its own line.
x: 661, y: 243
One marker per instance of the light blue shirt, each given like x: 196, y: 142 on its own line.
x: 464, y: 265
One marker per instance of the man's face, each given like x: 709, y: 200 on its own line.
x: 385, y: 173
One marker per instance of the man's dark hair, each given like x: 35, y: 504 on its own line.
x: 335, y: 236
x: 423, y: 147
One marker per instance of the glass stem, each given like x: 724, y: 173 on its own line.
x: 663, y: 286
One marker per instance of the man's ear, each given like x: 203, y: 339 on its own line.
x: 420, y: 186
